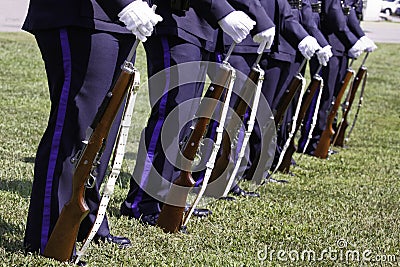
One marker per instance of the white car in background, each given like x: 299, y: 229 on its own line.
x: 389, y: 6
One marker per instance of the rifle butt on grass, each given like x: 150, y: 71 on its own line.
x: 339, y: 138
x: 324, y: 142
x: 307, y: 99
x: 172, y: 212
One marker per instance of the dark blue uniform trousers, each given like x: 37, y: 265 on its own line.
x: 80, y: 65
x: 175, y: 89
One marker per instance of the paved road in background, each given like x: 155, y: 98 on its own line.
x: 12, y: 13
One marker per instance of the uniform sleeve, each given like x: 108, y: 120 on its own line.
x: 291, y: 28
x: 256, y: 12
x: 354, y: 24
x: 332, y: 12
x: 212, y: 10
x: 113, y: 7
x: 310, y: 25
x: 347, y: 38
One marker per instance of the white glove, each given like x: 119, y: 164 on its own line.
x: 324, y: 54
x: 237, y: 25
x: 308, y: 46
x: 357, y: 49
x: 265, y: 39
x: 370, y: 46
x: 139, y: 18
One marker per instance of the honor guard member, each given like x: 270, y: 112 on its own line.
x: 83, y: 44
x: 303, y: 11
x: 334, y: 26
x: 185, y: 35
x: 276, y: 63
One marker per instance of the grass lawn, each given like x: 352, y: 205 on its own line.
x: 335, y: 208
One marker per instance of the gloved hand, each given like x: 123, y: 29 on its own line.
x: 308, y: 46
x: 237, y: 25
x: 357, y: 49
x: 265, y: 39
x: 324, y: 54
x: 139, y: 18
x: 370, y: 46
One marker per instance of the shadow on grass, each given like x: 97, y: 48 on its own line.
x: 28, y: 159
x: 8, y: 230
x: 21, y: 187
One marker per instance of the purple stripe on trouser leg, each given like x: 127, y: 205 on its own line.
x: 157, y: 129
x: 55, y: 144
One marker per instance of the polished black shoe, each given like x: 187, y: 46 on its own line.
x: 81, y: 263
x: 332, y: 152
x: 201, y: 213
x: 121, y: 241
x: 280, y: 181
x: 150, y: 219
x: 237, y: 191
x: 125, y: 211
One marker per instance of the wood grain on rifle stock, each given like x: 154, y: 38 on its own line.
x: 171, y: 215
x: 286, y: 99
x: 307, y: 99
x: 344, y: 124
x: 63, y: 237
x: 232, y: 129
x: 325, y: 141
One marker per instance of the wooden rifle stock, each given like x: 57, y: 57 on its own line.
x: 63, y: 237
x: 324, y: 142
x: 284, y: 102
x: 171, y: 215
x: 233, y: 126
x: 308, y: 96
x: 339, y: 138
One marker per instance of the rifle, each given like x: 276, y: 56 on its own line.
x: 116, y: 164
x: 324, y: 142
x: 290, y: 147
x: 63, y: 237
x: 339, y: 138
x: 250, y: 126
x: 255, y: 77
x: 172, y: 212
x: 284, y: 102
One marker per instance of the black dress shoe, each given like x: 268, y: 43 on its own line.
x: 150, y: 219
x: 332, y: 152
x: 121, y: 241
x: 201, y: 213
x: 81, y: 263
x: 125, y: 211
x: 281, y: 181
x: 237, y: 191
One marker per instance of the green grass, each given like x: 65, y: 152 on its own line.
x: 353, y: 196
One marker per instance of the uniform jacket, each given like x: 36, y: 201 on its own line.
x: 334, y: 27
x: 311, y: 23
x: 286, y: 28
x: 99, y: 14
x: 199, y: 24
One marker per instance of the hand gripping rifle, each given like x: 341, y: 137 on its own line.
x: 289, y: 148
x: 324, y: 142
x: 172, y: 212
x: 63, y: 237
x: 362, y: 75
